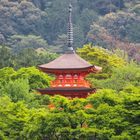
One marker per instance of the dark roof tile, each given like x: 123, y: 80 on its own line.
x: 67, y: 61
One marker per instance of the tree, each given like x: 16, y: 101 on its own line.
x: 113, y: 115
x: 101, y: 57
x: 122, y: 77
x: 35, y: 78
x: 12, y: 118
x: 133, y: 32
x: 21, y: 42
x: 6, y: 57
x: 60, y: 44
x: 117, y: 30
x: 79, y: 39
x: 20, y: 17
x: 56, y: 22
x: 107, y: 115
x: 6, y: 74
x: 26, y: 58
x: 17, y: 90
x: 116, y: 24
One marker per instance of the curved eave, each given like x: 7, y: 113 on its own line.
x: 96, y: 69
x: 80, y: 92
x: 90, y: 69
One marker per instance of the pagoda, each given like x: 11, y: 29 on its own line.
x: 70, y: 71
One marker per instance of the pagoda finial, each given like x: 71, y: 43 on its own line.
x: 70, y: 31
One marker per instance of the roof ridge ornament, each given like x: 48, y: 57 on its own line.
x: 70, y: 32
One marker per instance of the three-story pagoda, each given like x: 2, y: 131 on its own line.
x: 70, y: 71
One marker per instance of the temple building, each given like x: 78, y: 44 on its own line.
x: 70, y: 71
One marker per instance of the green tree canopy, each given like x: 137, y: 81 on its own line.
x: 101, y: 57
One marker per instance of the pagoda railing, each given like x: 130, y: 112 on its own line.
x: 57, y: 83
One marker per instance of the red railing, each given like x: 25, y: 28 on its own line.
x: 70, y: 83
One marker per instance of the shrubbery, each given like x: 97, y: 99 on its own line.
x: 110, y: 114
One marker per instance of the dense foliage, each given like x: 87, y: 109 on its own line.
x: 101, y: 57
x: 107, y: 23
x: 25, y: 57
x: 107, y: 115
x: 35, y: 78
x: 110, y: 114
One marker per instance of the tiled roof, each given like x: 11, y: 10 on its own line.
x: 67, y: 61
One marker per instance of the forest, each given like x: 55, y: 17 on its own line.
x: 106, y: 34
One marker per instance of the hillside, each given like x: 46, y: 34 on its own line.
x: 110, y: 24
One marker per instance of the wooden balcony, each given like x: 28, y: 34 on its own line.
x: 58, y: 83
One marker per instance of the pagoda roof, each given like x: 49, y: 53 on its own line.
x: 67, y: 89
x: 67, y: 61
x: 80, y: 92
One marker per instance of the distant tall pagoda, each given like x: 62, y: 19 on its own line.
x: 70, y: 71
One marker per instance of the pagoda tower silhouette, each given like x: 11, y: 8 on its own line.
x: 70, y: 71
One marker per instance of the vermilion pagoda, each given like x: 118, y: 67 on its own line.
x: 70, y: 71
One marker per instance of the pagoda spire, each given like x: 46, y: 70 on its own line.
x: 70, y: 32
